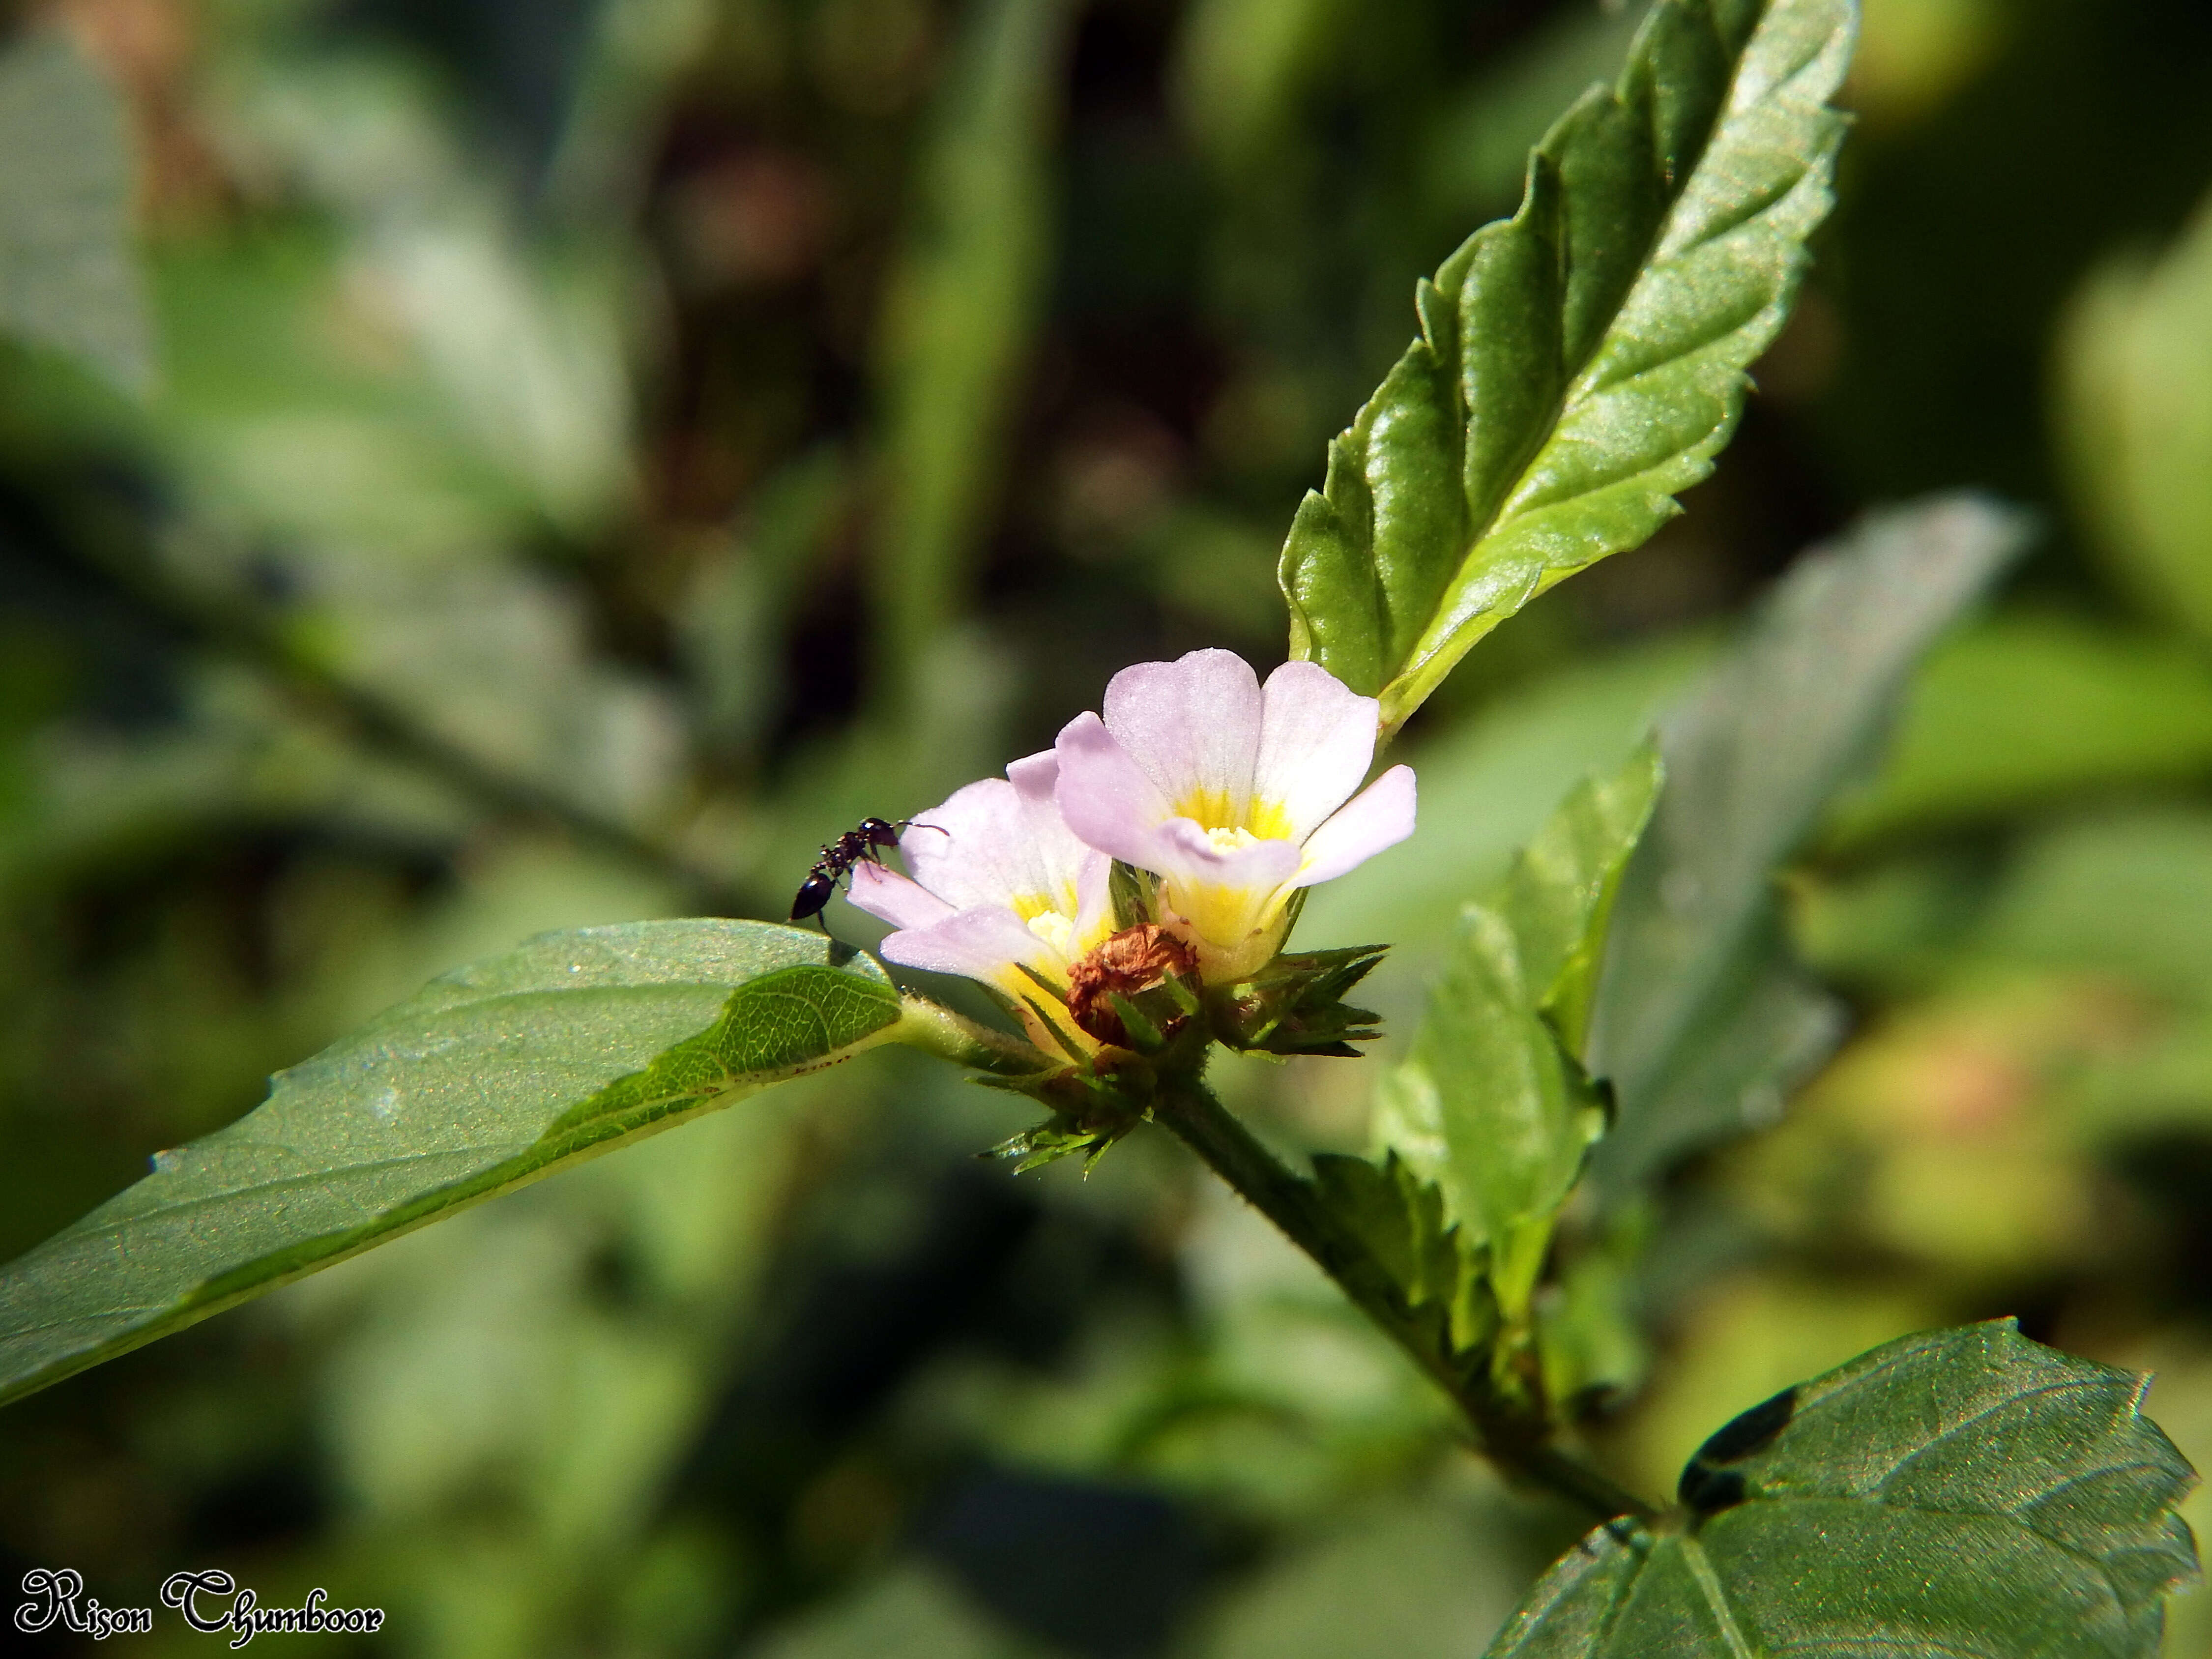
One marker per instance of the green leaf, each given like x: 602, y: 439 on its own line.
x: 1559, y: 893
x: 2134, y: 416
x: 1489, y: 1105
x: 1401, y: 1218
x: 1702, y: 1021
x: 2023, y: 709
x: 1580, y: 364
x: 959, y: 313
x: 1240, y: 66
x: 1488, y: 784
x: 69, y: 278
x: 1961, y: 1492
x: 488, y: 1077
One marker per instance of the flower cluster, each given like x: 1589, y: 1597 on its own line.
x: 1231, y: 796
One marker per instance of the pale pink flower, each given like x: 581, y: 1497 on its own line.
x: 1236, y: 796
x: 1000, y: 884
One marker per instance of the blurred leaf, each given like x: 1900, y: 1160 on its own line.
x: 1915, y: 55
x: 1409, y: 1581
x: 1479, y: 158
x: 491, y: 1077
x: 2022, y: 709
x: 2135, y: 420
x: 1240, y: 65
x: 525, y: 338
x: 910, y: 1610
x: 1962, y: 1492
x: 959, y: 313
x: 1897, y: 926
x: 1591, y: 1341
x: 293, y: 405
x: 1580, y: 363
x: 1701, y: 1018
x: 728, y: 626
x: 1487, y: 785
x: 2124, y: 894
x: 69, y: 275
x: 1489, y: 1106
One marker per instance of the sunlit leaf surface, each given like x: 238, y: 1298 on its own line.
x: 1580, y: 364
x: 489, y: 1078
x: 1491, y: 1105
x: 1962, y: 1492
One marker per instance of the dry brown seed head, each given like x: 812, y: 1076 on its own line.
x: 1133, y: 961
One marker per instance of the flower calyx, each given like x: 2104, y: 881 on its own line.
x: 1295, y: 1006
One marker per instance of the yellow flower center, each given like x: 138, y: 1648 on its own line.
x: 1054, y: 929
x: 1212, y: 810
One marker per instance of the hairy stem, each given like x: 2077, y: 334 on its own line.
x: 936, y: 1030
x: 1190, y: 1111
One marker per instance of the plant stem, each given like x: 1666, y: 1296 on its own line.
x: 936, y: 1030
x: 1189, y: 1110
x: 234, y: 626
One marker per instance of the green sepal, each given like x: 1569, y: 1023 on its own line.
x: 1145, y: 1036
x: 1051, y: 987
x: 1134, y: 894
x: 1052, y: 1141
x: 1067, y: 1045
x: 1295, y: 1006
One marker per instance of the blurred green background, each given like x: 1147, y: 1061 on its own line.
x: 520, y: 466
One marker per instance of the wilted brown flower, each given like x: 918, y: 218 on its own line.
x: 1131, y: 962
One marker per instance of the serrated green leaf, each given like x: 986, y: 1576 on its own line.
x: 1488, y: 1108
x: 1961, y: 1492
x: 491, y: 1077
x: 1702, y: 1021
x: 1559, y: 893
x: 1401, y: 1218
x: 69, y: 278
x: 1580, y: 364
x: 1489, y: 1104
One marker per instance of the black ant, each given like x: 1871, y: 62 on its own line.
x: 839, y: 857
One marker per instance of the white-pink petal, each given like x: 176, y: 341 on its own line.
x: 1192, y: 725
x: 978, y: 943
x: 1191, y: 855
x: 890, y: 896
x: 996, y: 842
x: 1061, y: 855
x: 1380, y: 816
x: 1317, y: 741
x: 1106, y: 798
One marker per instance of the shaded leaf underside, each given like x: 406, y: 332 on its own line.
x: 489, y: 1078
x: 1702, y: 1020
